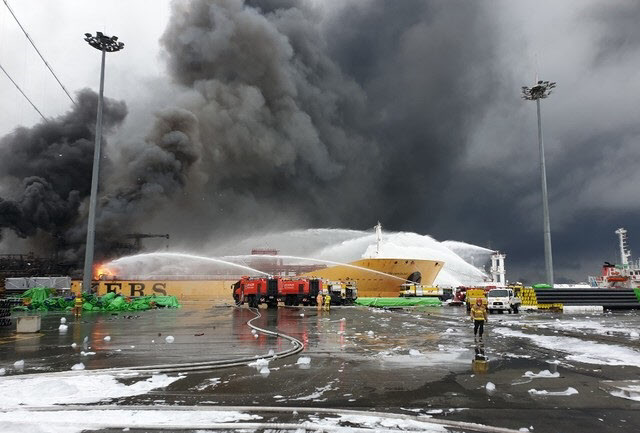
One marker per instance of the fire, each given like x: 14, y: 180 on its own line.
x: 102, y: 271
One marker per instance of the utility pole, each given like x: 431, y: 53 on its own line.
x: 105, y: 44
x: 541, y: 90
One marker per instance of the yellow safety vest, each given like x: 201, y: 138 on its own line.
x: 478, y: 312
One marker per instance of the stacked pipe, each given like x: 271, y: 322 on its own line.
x: 607, y: 298
x: 5, y: 312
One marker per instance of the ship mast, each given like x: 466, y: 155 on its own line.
x: 625, y: 254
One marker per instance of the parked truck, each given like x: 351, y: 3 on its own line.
x: 502, y: 300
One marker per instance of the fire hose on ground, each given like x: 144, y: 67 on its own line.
x: 296, y: 347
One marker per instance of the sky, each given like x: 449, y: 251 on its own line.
x: 243, y: 117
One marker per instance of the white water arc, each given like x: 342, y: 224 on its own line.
x: 123, y: 262
x: 462, y: 261
x: 331, y: 262
x: 334, y: 246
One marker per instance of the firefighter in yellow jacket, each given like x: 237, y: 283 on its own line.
x: 479, y: 316
x: 327, y: 302
x: 77, y: 308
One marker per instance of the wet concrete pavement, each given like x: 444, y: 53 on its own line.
x: 415, y: 361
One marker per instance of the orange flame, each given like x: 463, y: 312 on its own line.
x: 102, y: 272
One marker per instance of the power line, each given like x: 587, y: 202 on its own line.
x: 23, y: 94
x: 38, y: 51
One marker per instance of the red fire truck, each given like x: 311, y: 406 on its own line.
x: 294, y: 291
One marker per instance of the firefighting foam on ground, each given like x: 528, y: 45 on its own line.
x: 263, y: 337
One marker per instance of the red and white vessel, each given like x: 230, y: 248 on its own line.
x: 626, y: 275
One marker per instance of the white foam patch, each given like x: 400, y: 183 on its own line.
x: 44, y: 390
x: 259, y: 363
x: 209, y: 383
x: 73, y: 421
x: 377, y: 423
x: 418, y: 360
x: 317, y: 393
x: 629, y: 389
x: 542, y: 392
x: 544, y: 374
x: 597, y: 327
x: 584, y: 351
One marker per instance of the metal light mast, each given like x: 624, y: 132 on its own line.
x: 105, y: 44
x: 540, y: 91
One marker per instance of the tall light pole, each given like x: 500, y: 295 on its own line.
x: 105, y: 44
x: 541, y: 90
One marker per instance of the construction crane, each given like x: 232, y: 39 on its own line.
x: 137, y: 238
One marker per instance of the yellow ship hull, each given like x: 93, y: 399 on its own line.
x: 382, y: 278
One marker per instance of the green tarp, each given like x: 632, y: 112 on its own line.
x: 399, y: 302
x: 637, y: 292
x: 542, y: 286
x: 42, y: 299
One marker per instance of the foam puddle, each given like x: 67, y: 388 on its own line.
x: 584, y: 351
x: 376, y: 423
x: 569, y: 391
x: 627, y: 389
x: 75, y: 421
x: 47, y: 390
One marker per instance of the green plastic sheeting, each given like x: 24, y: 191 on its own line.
x: 542, y: 286
x: 42, y: 299
x: 38, y: 294
x: 399, y: 302
x: 637, y: 292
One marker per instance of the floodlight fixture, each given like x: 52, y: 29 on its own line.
x: 539, y: 91
x: 103, y: 42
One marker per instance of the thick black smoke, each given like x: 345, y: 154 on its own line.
x: 325, y: 121
x: 151, y: 172
x: 50, y: 164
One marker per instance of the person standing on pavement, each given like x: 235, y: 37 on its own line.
x: 479, y: 316
x: 319, y: 301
